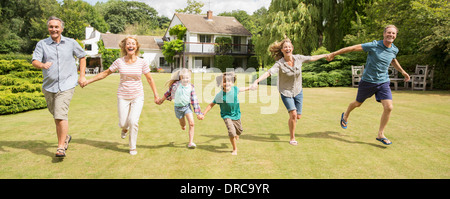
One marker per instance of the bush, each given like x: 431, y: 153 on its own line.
x: 20, y: 87
x: 19, y: 102
x: 223, y: 62
x: 253, y: 62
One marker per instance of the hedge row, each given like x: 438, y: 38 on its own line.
x: 20, y: 87
x: 19, y: 102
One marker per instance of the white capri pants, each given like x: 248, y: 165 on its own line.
x: 129, y: 113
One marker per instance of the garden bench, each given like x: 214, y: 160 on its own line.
x: 422, y: 76
x: 393, y: 77
x: 357, y: 72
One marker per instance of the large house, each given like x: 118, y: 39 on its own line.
x: 199, y: 42
x: 150, y: 46
x: 200, y: 38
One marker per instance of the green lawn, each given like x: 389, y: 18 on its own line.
x: 419, y: 129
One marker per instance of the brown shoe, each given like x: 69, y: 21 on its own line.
x: 66, y: 143
x: 60, y: 153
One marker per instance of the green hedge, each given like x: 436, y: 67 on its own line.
x: 223, y: 62
x: 20, y: 87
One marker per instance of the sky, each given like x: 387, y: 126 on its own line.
x: 167, y: 7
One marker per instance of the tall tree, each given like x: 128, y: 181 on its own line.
x: 193, y: 7
x: 119, y: 13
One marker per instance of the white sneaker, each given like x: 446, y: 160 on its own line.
x: 123, y: 135
x: 133, y: 152
x: 192, y: 145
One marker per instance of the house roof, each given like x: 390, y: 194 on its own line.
x: 218, y: 24
x: 111, y: 41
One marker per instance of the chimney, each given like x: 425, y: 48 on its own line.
x: 209, y: 15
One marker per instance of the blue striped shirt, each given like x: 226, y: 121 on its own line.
x: 62, y: 74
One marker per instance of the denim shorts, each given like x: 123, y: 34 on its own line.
x: 293, y: 103
x: 180, y: 111
x: 366, y: 90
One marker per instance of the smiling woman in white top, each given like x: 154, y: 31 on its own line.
x: 130, y: 94
x: 289, y: 69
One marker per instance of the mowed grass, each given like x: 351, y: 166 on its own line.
x: 419, y: 129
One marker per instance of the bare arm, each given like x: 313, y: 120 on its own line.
x: 262, y: 77
x: 152, y: 85
x: 82, y: 78
x: 242, y: 89
x: 99, y: 76
x: 357, y: 47
x: 39, y: 65
x: 400, y: 69
x: 208, y: 108
x: 317, y: 57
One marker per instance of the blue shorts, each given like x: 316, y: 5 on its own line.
x: 366, y: 90
x: 293, y: 103
x: 180, y: 111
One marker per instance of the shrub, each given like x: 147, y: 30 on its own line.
x: 223, y: 61
x: 20, y: 87
x: 19, y: 102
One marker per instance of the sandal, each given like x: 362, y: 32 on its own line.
x: 66, y: 143
x: 60, y: 153
x: 343, y: 122
x: 384, y: 141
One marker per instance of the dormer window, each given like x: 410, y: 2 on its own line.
x: 205, y: 38
x: 88, y: 47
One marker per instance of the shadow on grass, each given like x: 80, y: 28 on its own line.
x: 318, y: 135
x: 40, y: 147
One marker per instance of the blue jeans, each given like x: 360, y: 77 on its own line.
x: 293, y: 103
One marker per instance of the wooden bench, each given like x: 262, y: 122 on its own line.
x: 422, y: 76
x: 357, y: 72
x: 393, y: 77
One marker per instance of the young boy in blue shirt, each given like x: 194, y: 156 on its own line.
x: 229, y: 106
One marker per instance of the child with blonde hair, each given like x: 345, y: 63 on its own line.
x: 182, y: 92
x: 229, y: 106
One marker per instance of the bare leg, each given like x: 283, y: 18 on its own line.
x: 387, y: 109
x: 62, y: 128
x: 182, y: 123
x: 292, y: 122
x: 351, y: 106
x: 190, y: 119
x: 233, y: 143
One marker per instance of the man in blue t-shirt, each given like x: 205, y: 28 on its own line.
x: 375, y: 79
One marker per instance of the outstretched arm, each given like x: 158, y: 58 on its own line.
x: 262, y: 77
x: 242, y: 89
x: 208, y: 108
x: 317, y: 57
x: 357, y: 47
x: 99, y: 76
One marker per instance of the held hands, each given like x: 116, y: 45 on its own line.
x: 83, y: 82
x: 200, y: 117
x: 330, y: 57
x: 158, y: 101
x: 254, y: 86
